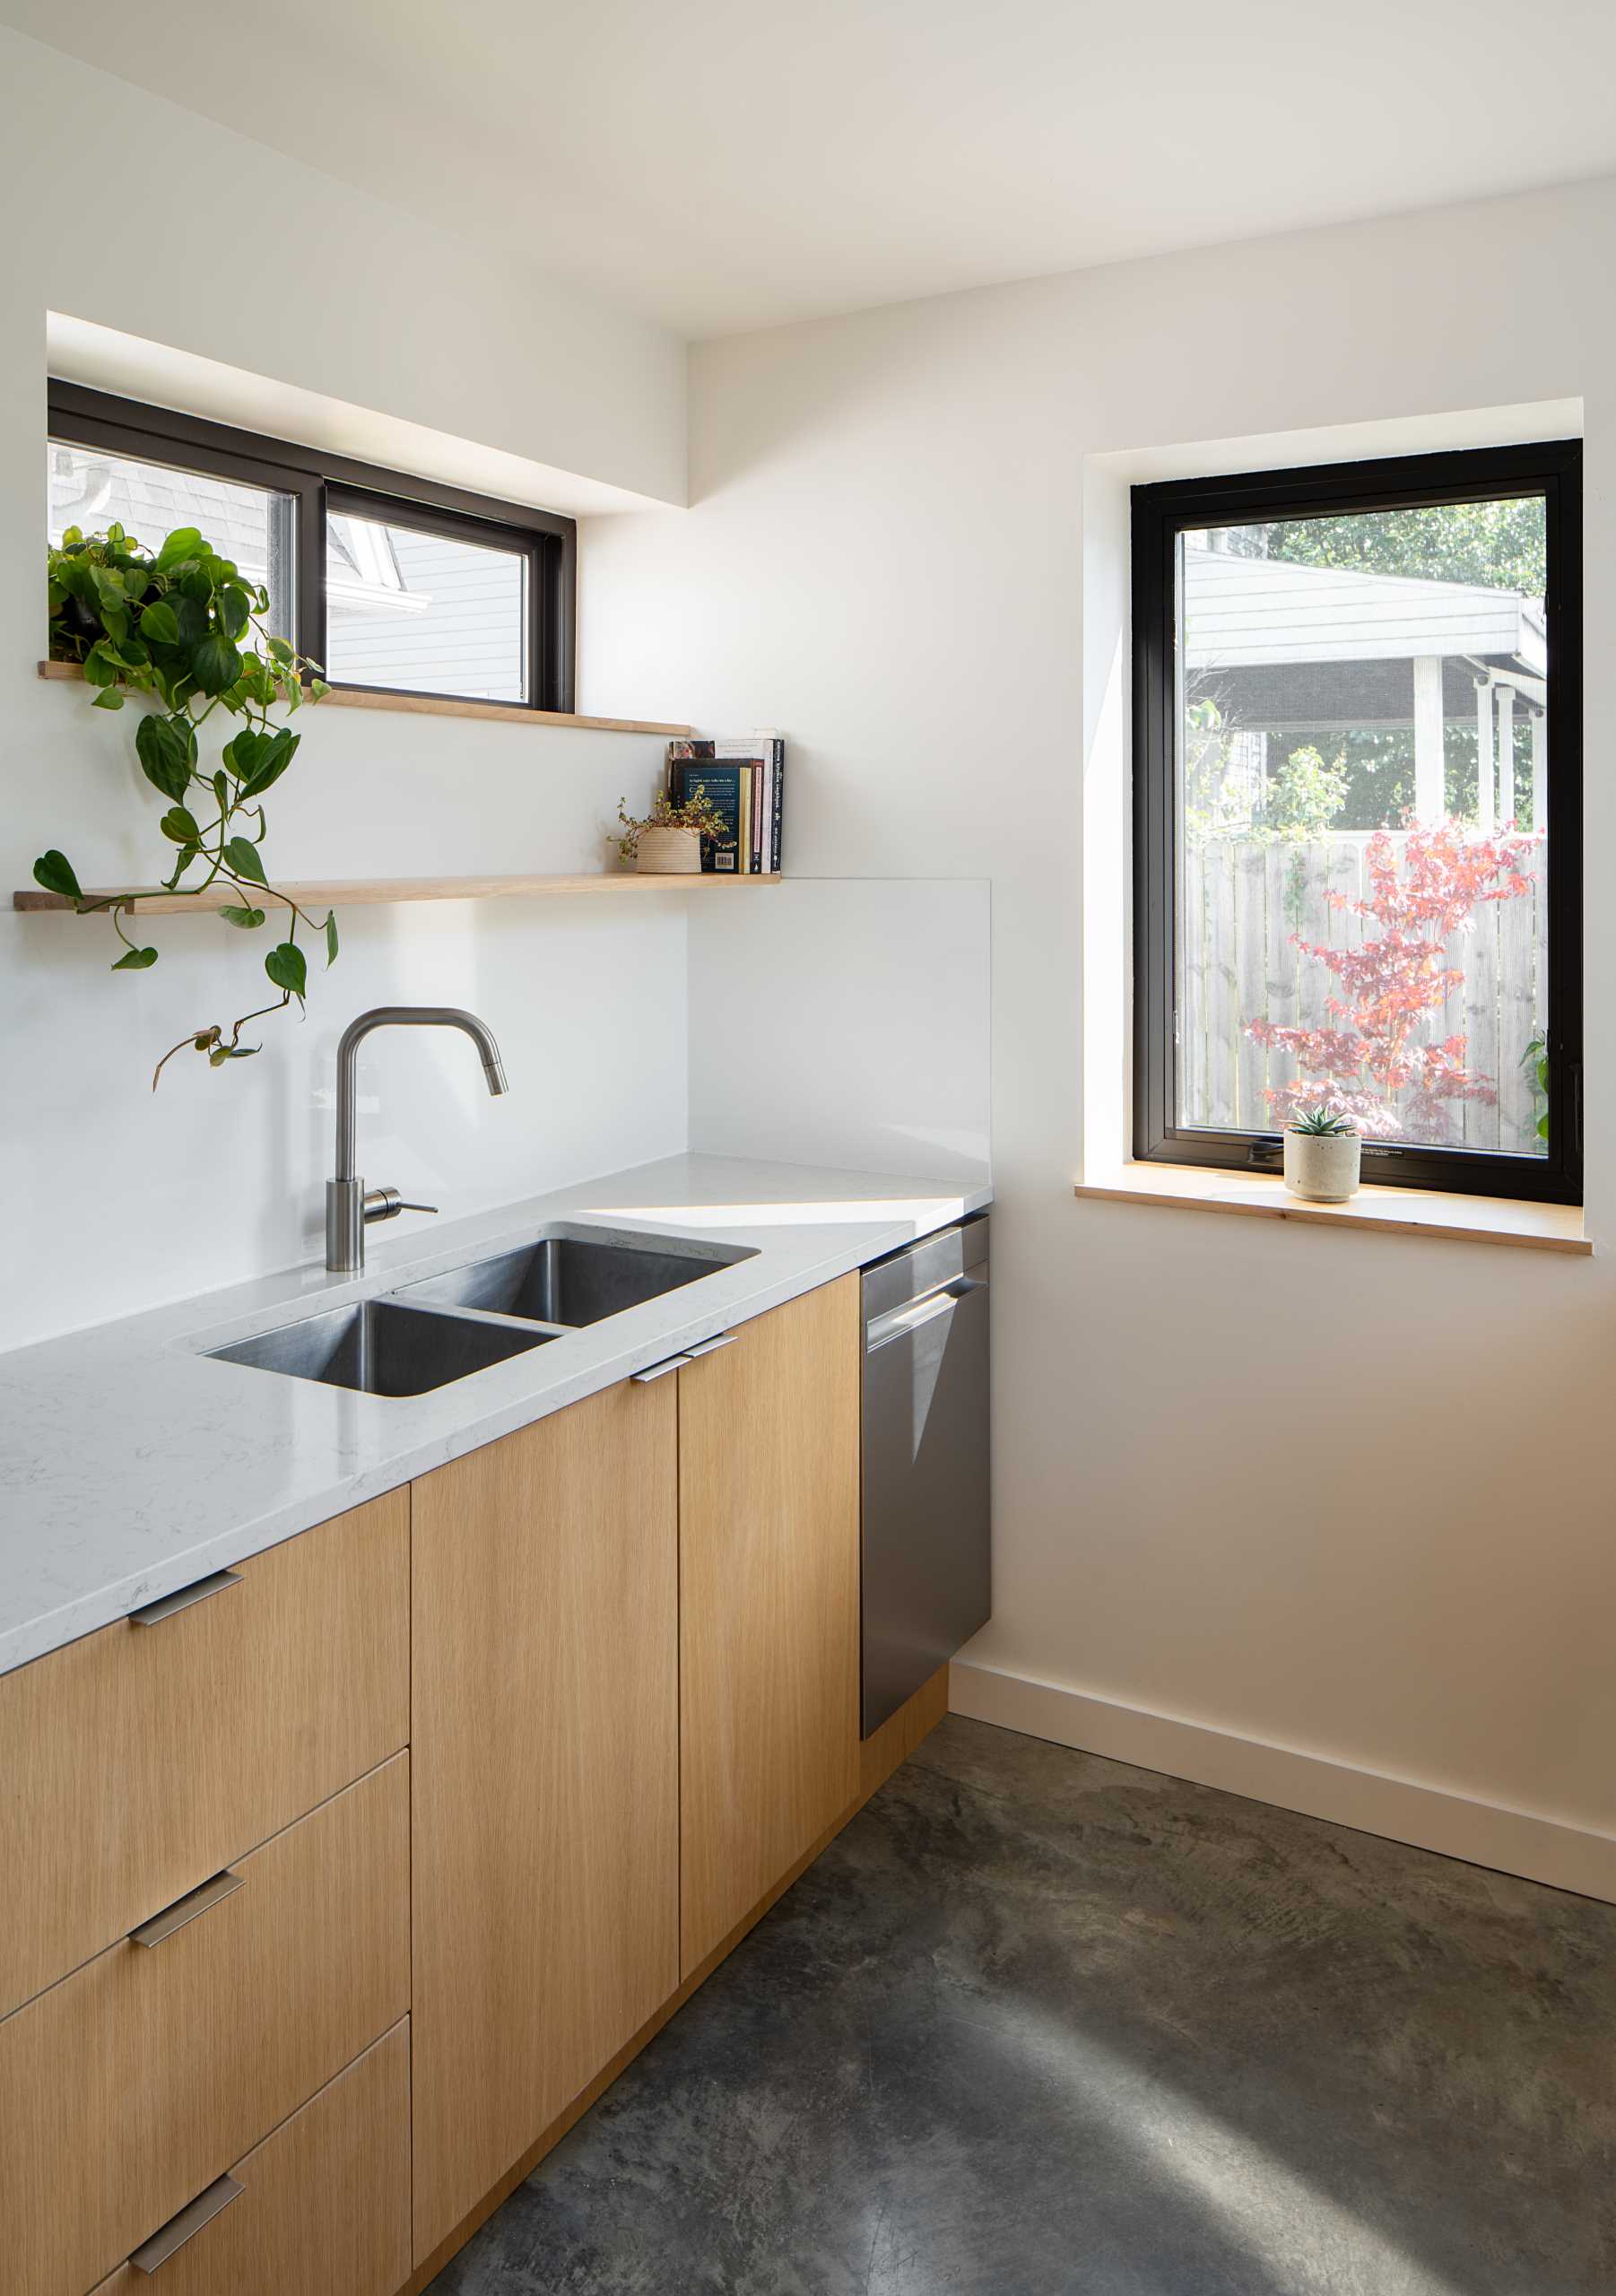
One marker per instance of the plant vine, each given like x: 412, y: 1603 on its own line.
x: 185, y: 627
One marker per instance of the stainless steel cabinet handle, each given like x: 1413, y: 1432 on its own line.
x: 901, y: 1321
x: 198, y: 1591
x: 708, y: 1346
x: 186, y: 1908
x: 155, y: 2252
x: 657, y: 1371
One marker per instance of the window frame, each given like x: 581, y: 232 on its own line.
x: 1159, y: 514
x: 311, y: 477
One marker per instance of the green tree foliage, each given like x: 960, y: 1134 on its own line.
x: 1498, y: 545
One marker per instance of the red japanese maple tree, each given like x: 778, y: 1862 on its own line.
x: 1375, y: 1053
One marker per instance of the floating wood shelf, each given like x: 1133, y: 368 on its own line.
x: 370, y: 892
x: 440, y: 705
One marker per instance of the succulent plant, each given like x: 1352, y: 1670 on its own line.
x: 1321, y: 1123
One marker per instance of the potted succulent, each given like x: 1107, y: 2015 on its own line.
x: 667, y: 843
x: 1323, y: 1155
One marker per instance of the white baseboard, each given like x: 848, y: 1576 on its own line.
x: 1511, y: 1840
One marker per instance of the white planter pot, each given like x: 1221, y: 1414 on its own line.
x: 669, y: 853
x: 1322, y: 1167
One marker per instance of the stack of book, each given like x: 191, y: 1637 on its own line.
x: 746, y: 784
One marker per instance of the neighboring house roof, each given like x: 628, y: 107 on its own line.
x: 93, y: 491
x: 1265, y: 612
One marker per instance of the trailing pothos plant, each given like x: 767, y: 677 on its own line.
x: 185, y: 628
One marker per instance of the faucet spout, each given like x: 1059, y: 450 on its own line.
x: 347, y: 1210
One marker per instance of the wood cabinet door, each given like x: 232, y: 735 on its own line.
x: 769, y: 1603
x: 544, y: 1778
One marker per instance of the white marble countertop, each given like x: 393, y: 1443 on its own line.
x: 131, y: 1464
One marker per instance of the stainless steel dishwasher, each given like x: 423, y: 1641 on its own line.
x: 927, y: 1583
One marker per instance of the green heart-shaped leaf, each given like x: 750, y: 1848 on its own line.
x: 215, y: 664
x: 243, y: 751
x: 247, y: 918
x: 192, y: 618
x: 286, y: 967
x: 180, y: 826
x: 159, y: 624
x: 184, y: 542
x: 241, y: 858
x: 54, y: 871
x: 331, y: 937
x: 274, y: 760
x: 167, y: 750
x: 135, y: 960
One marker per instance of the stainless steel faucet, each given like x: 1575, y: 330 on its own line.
x: 349, y: 1207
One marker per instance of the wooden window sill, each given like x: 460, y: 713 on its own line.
x: 438, y: 705
x: 1387, y: 1211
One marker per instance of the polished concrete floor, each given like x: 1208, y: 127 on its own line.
x: 1040, y: 2023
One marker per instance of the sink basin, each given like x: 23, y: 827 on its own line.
x: 568, y: 1280
x: 381, y: 1348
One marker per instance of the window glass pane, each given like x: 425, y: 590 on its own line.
x: 424, y: 612
x: 252, y: 525
x: 1361, y: 772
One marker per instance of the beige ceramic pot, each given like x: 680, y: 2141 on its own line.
x: 669, y: 853
x: 1323, y: 1168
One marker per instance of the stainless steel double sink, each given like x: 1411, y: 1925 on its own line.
x: 445, y: 1327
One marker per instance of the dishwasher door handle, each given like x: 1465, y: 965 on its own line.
x: 899, y: 1322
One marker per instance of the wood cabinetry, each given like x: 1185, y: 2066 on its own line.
x: 769, y: 1605
x: 324, y: 2209
x: 141, y: 1760
x: 498, y: 1765
x: 544, y: 1777
x: 134, y: 2083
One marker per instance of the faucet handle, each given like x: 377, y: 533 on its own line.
x: 387, y: 1203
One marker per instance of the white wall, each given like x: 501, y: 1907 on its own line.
x: 116, y: 1197
x: 112, y: 1198
x: 1344, y: 1494
x: 844, y: 1023
x: 354, y: 300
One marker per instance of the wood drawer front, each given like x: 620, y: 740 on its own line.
x: 133, y: 2083
x: 325, y: 2203
x: 139, y: 1760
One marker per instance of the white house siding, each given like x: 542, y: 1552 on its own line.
x: 456, y: 625
x: 94, y: 491
x: 469, y: 639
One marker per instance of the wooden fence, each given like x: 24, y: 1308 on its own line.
x: 1242, y: 901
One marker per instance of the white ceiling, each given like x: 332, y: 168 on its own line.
x: 723, y: 164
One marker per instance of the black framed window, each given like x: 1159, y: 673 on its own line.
x: 1357, y: 816
x: 394, y: 584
